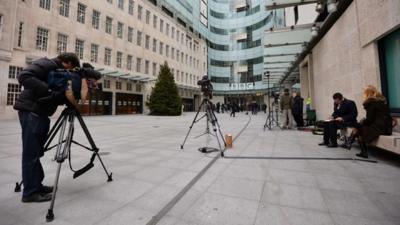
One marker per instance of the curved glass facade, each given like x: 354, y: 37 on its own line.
x: 234, y: 30
x: 235, y: 50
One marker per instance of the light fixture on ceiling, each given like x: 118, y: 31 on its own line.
x: 332, y: 6
x: 314, y: 30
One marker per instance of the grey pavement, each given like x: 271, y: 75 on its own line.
x: 254, y: 184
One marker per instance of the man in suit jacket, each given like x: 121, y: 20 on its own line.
x: 344, y: 115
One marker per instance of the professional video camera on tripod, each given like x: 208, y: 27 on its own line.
x: 206, y: 89
x: 75, y: 83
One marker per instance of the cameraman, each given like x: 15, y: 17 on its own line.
x: 35, y: 104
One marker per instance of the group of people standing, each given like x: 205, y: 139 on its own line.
x: 291, y: 107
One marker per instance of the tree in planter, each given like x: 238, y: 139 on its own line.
x: 164, y: 98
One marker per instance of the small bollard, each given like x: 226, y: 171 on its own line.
x: 228, y: 140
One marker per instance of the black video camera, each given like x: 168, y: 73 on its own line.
x: 206, y: 86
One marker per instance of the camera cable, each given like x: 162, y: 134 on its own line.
x: 157, y: 218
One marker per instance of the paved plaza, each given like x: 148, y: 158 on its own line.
x: 267, y: 178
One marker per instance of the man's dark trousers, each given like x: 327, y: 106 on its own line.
x: 34, y: 133
x: 330, y: 131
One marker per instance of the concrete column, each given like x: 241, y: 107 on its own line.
x: 114, y: 102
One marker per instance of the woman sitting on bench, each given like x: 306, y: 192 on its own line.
x: 378, y: 121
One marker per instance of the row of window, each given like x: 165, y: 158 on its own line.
x: 170, y: 30
x: 62, y: 44
x: 118, y: 85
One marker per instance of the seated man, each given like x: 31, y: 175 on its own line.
x: 344, y: 115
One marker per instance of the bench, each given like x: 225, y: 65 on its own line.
x: 390, y: 143
x: 387, y: 142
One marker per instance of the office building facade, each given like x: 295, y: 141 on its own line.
x: 126, y: 40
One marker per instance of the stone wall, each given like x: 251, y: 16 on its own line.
x: 346, y: 59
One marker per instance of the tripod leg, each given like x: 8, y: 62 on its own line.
x: 92, y: 144
x: 191, y: 126
x: 50, y: 214
x: 214, y: 117
x: 221, y: 150
x: 54, y: 130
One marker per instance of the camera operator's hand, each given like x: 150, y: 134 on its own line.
x: 54, y: 97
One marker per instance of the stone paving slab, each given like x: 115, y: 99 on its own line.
x: 258, y: 182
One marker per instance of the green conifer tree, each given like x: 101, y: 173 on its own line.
x: 164, y: 99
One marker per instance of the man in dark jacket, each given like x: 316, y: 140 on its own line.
x: 286, y: 109
x: 35, y: 104
x: 297, y: 109
x: 344, y: 115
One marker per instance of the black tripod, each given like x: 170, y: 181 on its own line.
x: 211, y: 119
x: 271, y: 120
x: 63, y: 150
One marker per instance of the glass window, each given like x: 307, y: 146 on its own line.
x: 167, y: 50
x: 79, y: 47
x: 154, y: 45
x: 147, y: 17
x: 120, y: 30
x: 131, y: 7
x: 155, y: 18
x: 96, y: 19
x: 130, y: 34
x: 20, y: 28
x: 107, y: 83
x: 129, y: 62
x: 45, y: 4
x: 161, y: 47
x: 13, y: 92
x: 167, y: 29
x: 161, y: 25
x: 109, y: 25
x: 139, y: 38
x: 172, y: 53
x: 139, y: 65
x: 118, y: 85
x: 140, y: 11
x: 146, y: 66
x: 173, y: 32
x: 94, y: 53
x: 42, y: 37
x: 119, y: 60
x: 389, y: 49
x: 13, y: 71
x: 154, y: 69
x: 62, y: 41
x: 64, y: 8
x: 81, y: 13
x: 121, y: 4
x: 107, y: 56
x: 147, y: 42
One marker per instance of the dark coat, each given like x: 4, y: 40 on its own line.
x: 378, y: 120
x: 34, y: 80
x: 286, y: 101
x: 297, y: 107
x: 348, y: 111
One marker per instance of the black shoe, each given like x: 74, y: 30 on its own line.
x: 46, y: 190
x: 332, y: 145
x: 37, y: 197
x: 346, y: 146
x: 362, y: 155
x: 322, y: 144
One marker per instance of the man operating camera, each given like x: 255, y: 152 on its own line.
x: 35, y: 104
